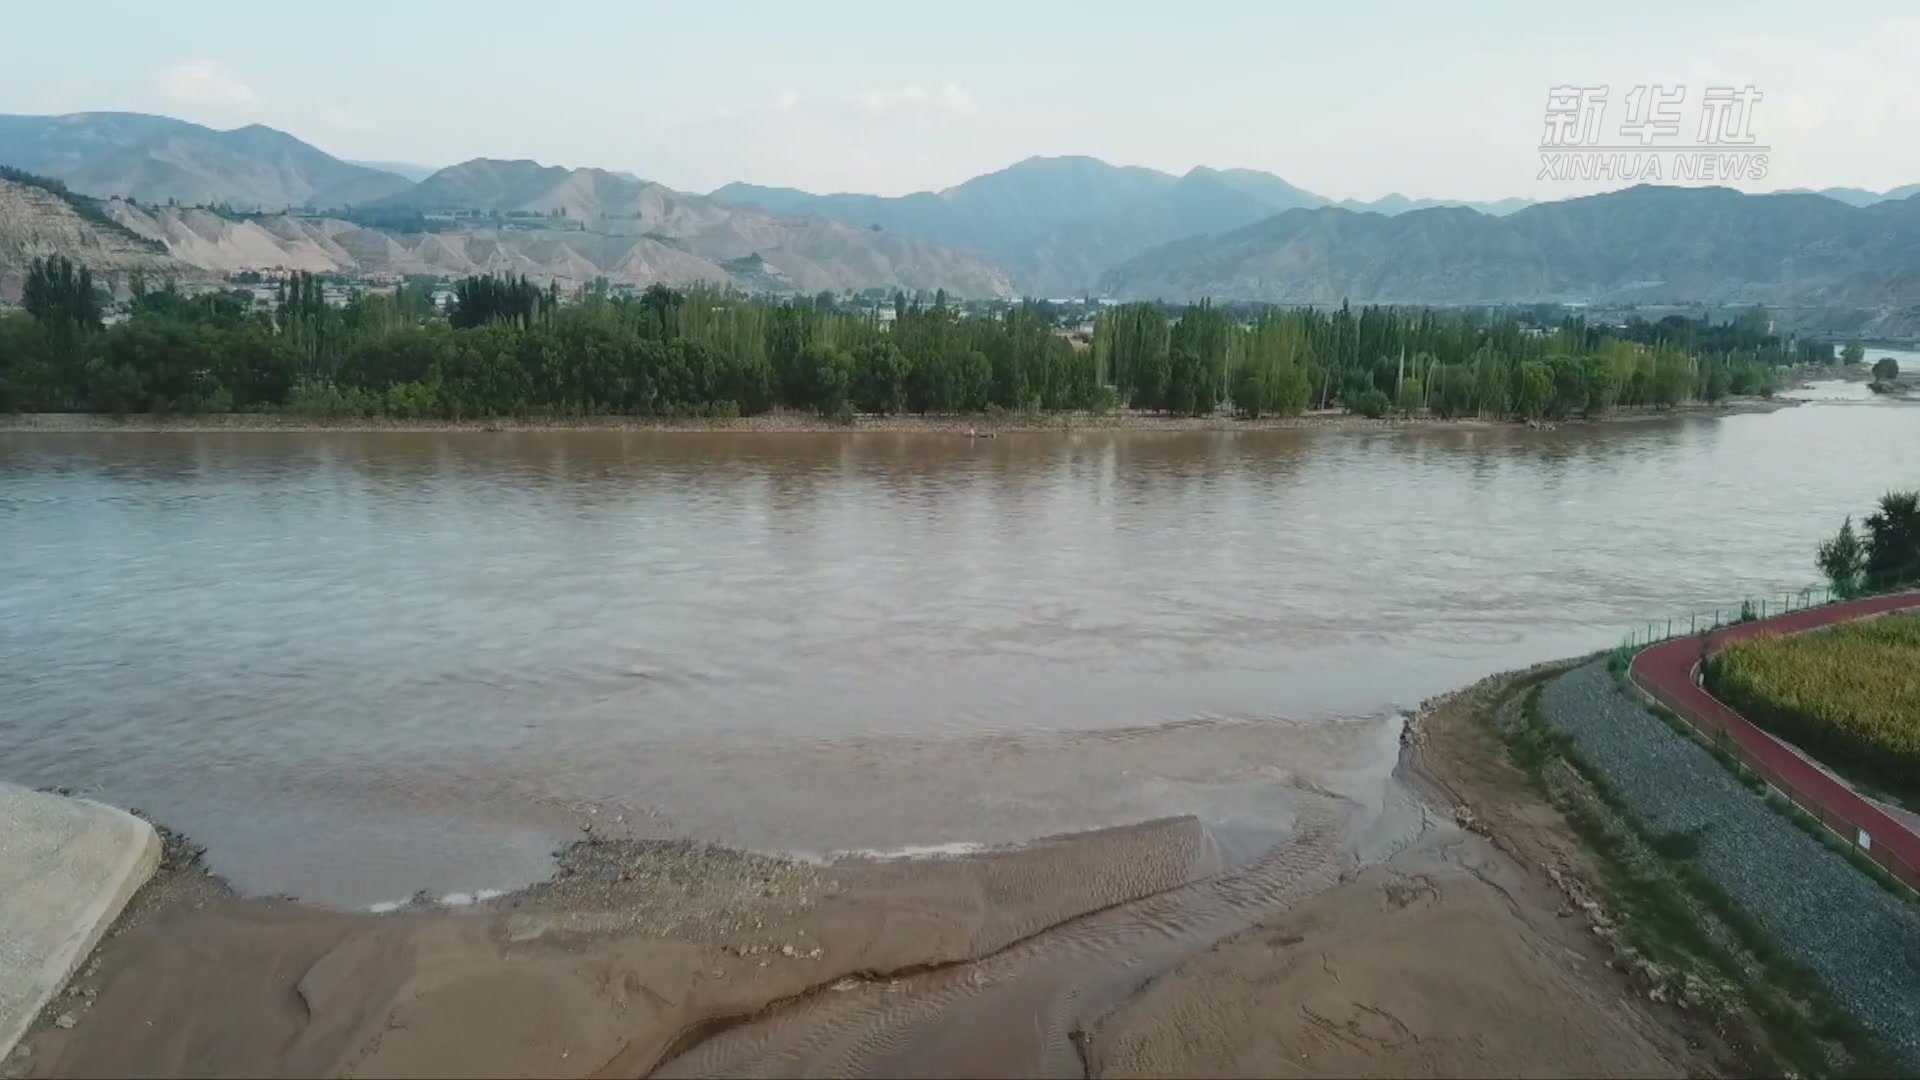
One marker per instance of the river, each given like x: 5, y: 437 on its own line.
x: 356, y: 665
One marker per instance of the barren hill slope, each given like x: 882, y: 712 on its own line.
x: 569, y: 225
x: 36, y: 222
x: 667, y: 242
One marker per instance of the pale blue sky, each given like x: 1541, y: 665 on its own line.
x: 1351, y: 100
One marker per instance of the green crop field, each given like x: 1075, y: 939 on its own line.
x: 1849, y: 695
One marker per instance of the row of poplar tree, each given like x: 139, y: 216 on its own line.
x: 505, y: 346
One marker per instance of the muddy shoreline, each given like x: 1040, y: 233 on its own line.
x: 1123, y: 951
x: 786, y: 421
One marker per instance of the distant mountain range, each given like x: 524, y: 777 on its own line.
x: 1044, y: 226
x: 1854, y: 196
x: 636, y: 231
x: 1050, y: 225
x: 1649, y: 245
x: 156, y: 159
x: 410, y: 170
x: 1057, y: 223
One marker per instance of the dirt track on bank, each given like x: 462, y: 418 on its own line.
x: 789, y: 421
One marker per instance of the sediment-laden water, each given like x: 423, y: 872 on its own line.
x: 358, y: 665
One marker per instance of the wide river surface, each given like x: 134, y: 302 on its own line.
x: 357, y: 665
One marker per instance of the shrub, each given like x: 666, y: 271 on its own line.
x: 325, y: 401
x: 1893, y: 537
x: 412, y: 400
x: 1843, y: 559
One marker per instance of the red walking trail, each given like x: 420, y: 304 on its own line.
x: 1666, y: 671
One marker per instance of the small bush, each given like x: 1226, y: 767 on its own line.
x: 325, y: 401
x: 412, y: 401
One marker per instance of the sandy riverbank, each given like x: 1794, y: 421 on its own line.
x: 789, y: 421
x: 1459, y: 953
x: 1469, y: 952
x: 621, y: 961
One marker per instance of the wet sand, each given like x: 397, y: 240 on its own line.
x: 630, y: 954
x: 1445, y: 961
x: 1146, y: 949
x: 1468, y: 952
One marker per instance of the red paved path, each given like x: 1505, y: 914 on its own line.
x: 1666, y: 672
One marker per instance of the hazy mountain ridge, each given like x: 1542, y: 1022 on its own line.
x: 749, y: 246
x: 1396, y: 203
x: 156, y: 159
x: 993, y: 212
x: 409, y: 170
x: 1066, y: 259
x: 1854, y: 196
x: 1059, y: 223
x: 1645, y: 244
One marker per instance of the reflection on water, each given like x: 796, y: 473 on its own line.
x: 422, y: 656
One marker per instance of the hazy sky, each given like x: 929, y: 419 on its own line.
x: 1350, y: 100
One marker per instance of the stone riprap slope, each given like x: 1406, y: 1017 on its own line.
x: 1823, y: 911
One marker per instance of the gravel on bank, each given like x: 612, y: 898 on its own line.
x: 1823, y: 911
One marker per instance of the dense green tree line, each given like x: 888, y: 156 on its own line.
x: 1378, y: 360
x: 506, y: 347
x: 503, y: 346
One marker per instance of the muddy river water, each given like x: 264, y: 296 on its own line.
x: 357, y: 665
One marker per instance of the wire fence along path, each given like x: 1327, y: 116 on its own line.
x: 1699, y: 622
x: 1668, y: 671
